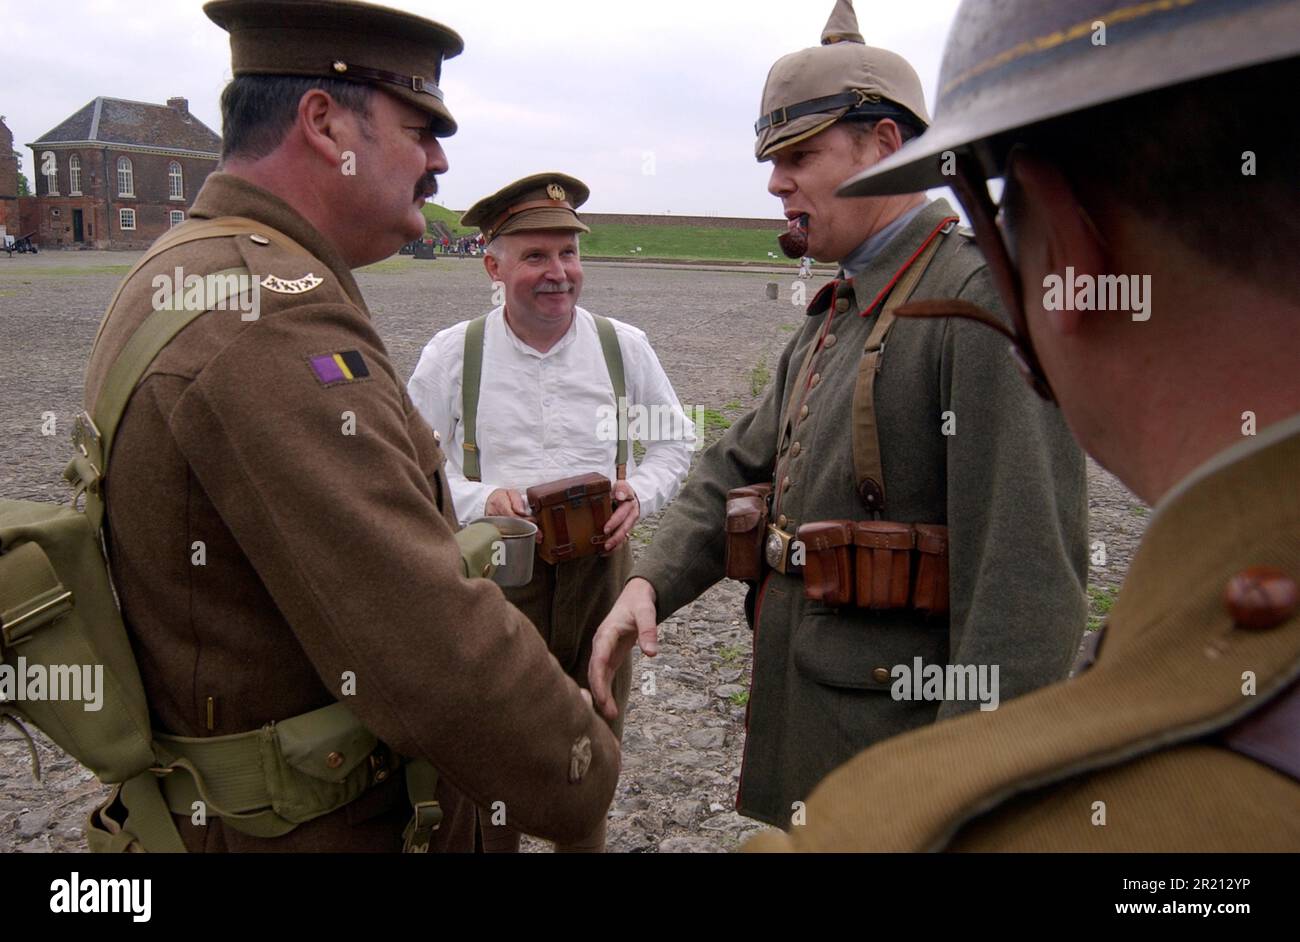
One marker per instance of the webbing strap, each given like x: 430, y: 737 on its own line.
x: 148, y: 819
x: 153, y: 335
x: 145, y: 344
x: 193, y: 231
x: 426, y: 813
x: 866, y: 433
x: 614, y: 364
x: 230, y: 767
x: 471, y: 379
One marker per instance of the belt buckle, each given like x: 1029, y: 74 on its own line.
x: 776, y: 549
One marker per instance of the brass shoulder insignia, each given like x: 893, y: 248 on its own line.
x: 296, y: 286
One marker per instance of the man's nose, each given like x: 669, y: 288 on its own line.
x: 555, y: 269
x: 778, y: 184
x: 436, y: 157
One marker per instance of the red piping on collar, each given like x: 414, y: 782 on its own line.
x: 948, y: 221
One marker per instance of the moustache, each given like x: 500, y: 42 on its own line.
x: 562, y: 287
x: 427, y: 186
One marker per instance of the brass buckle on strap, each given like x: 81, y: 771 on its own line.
x: 776, y: 548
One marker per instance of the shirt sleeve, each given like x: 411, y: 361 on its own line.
x: 435, y: 388
x: 320, y: 481
x: 1017, y: 516
x: 696, y: 519
x: 667, y: 433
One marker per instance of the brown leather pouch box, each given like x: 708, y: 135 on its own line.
x: 930, y: 594
x: 571, y: 513
x: 746, y: 528
x: 828, y: 561
x: 884, y: 563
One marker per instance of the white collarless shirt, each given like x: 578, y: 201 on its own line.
x: 546, y: 416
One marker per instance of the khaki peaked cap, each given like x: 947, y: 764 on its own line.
x: 540, y: 201
x: 400, y: 53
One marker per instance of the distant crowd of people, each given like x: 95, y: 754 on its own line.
x: 466, y: 245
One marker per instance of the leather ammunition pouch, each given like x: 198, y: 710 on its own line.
x: 930, y: 585
x: 828, y: 561
x: 873, y: 564
x: 571, y: 513
x: 884, y: 563
x: 746, y: 529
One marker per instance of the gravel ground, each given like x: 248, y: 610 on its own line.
x: 716, y: 334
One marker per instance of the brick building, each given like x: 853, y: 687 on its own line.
x: 9, y: 217
x: 117, y: 174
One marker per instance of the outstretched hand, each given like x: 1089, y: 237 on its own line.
x: 630, y: 621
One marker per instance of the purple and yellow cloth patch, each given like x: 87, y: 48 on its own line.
x: 343, y: 367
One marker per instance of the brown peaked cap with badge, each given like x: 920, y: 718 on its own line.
x: 808, y: 91
x: 398, y: 52
x: 541, y: 201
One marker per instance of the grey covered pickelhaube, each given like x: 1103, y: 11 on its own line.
x: 808, y: 91
x: 1016, y: 63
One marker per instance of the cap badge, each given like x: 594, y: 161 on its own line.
x: 340, y: 65
x: 555, y: 191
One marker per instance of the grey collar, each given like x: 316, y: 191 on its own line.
x: 857, y: 260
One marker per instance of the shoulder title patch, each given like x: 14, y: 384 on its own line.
x: 295, y: 286
x: 347, y: 366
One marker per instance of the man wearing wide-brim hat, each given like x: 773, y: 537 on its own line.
x: 528, y: 394
x: 322, y: 668
x: 926, y: 510
x: 1145, y: 165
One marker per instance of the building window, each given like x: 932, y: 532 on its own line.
x: 74, y: 175
x: 178, y: 217
x: 125, y: 179
x: 50, y: 169
x: 176, y: 180
x: 126, y: 219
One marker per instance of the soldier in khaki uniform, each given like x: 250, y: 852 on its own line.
x: 961, y: 443
x: 281, y: 528
x: 1160, y: 154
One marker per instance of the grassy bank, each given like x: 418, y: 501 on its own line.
x: 686, y: 243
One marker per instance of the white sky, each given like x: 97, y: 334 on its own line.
x: 588, y: 87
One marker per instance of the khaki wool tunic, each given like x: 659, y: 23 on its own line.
x: 1009, y: 483
x: 324, y: 553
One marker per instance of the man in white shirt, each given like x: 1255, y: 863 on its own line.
x: 547, y: 410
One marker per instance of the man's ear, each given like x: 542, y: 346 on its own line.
x: 491, y: 266
x: 889, y: 137
x: 319, y: 119
x: 1051, y: 234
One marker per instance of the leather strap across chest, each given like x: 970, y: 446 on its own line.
x: 866, y: 445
